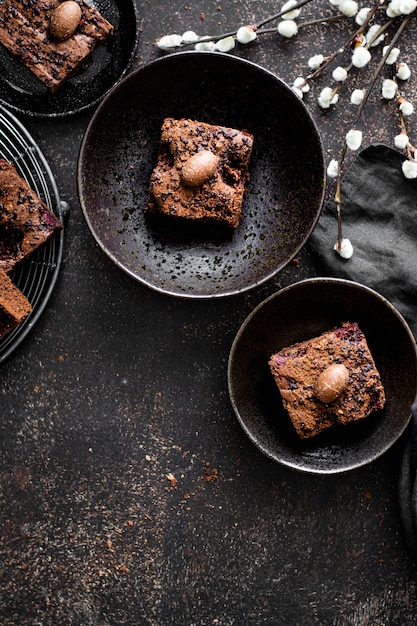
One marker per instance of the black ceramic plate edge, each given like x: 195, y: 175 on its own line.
x: 14, y: 338
x: 73, y: 98
x: 295, y: 458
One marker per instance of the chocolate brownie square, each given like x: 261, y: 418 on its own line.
x: 26, y: 222
x: 14, y: 306
x: 25, y: 32
x: 328, y: 380
x: 201, y: 172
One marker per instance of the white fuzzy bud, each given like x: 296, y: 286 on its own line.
x: 393, y: 9
x: 226, y: 44
x: 389, y: 89
x: 360, y: 57
x: 339, y: 74
x: 406, y: 108
x: 362, y: 15
x: 291, y: 14
x: 407, y: 6
x: 245, y: 35
x: 301, y: 84
x: 327, y: 97
x: 190, y: 37
x: 401, y: 141
x: 348, y: 7
x: 333, y: 169
x: 393, y: 55
x: 345, y: 250
x: 409, y: 169
x: 168, y: 42
x: 357, y: 96
x: 403, y: 71
x: 315, y: 61
x: 287, y: 28
x: 371, y: 34
x: 205, y: 46
x: 354, y: 139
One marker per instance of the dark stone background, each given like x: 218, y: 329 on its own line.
x: 119, y: 386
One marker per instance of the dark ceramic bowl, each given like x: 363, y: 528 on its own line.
x: 21, y: 91
x: 302, y: 311
x: 284, y: 196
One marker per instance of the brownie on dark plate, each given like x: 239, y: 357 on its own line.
x: 25, y: 32
x: 328, y: 380
x: 201, y: 172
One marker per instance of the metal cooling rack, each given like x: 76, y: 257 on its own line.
x: 35, y: 277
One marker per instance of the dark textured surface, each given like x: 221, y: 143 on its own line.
x: 120, y: 387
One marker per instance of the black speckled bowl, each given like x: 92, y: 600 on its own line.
x: 284, y: 196
x: 302, y: 311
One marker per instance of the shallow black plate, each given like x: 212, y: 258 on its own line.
x: 21, y: 91
x: 302, y: 311
x: 36, y: 277
x: 284, y: 196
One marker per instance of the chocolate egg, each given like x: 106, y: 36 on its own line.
x: 64, y: 20
x: 331, y: 382
x: 199, y: 168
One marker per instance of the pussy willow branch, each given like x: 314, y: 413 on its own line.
x: 281, y: 13
x: 410, y: 149
x: 394, y: 40
x: 337, y: 197
x: 343, y: 47
x: 256, y: 25
x: 324, y: 20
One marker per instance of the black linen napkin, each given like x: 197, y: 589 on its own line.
x: 408, y: 487
x: 379, y: 216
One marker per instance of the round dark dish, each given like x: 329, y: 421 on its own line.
x: 284, y: 195
x: 37, y: 276
x: 300, y: 312
x: 23, y: 92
